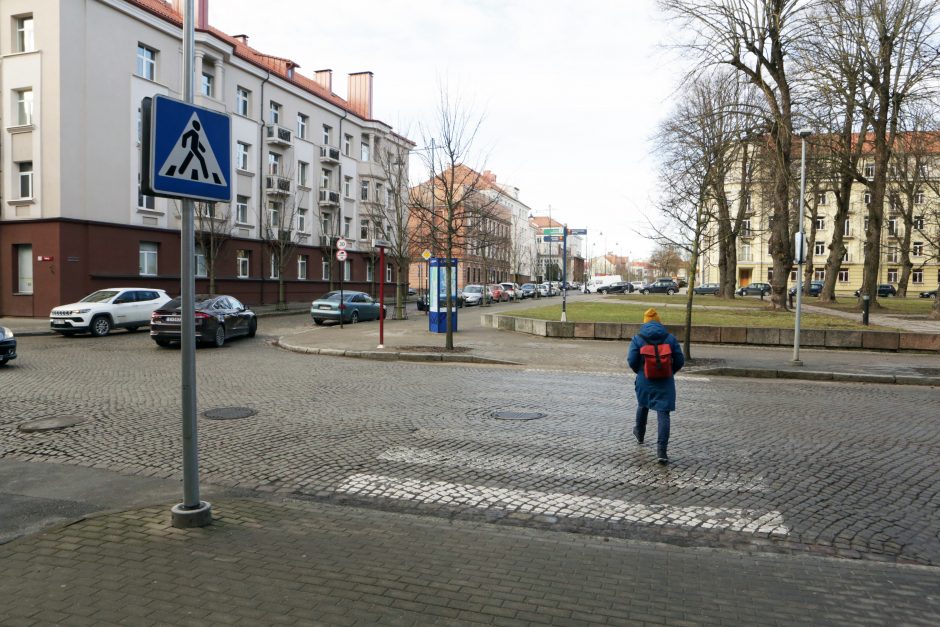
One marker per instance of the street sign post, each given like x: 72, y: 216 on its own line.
x: 577, y: 231
x: 381, y: 244
x: 553, y: 230
x: 426, y: 254
x: 341, y: 244
x: 552, y: 238
x: 341, y: 256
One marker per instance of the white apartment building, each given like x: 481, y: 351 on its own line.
x: 72, y: 216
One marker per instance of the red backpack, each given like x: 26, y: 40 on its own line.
x: 657, y: 359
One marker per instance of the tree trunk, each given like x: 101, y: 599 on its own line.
x: 837, y: 245
x: 281, y: 300
x: 779, y: 245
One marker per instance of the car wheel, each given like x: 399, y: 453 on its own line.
x: 219, y: 340
x: 100, y: 326
x: 163, y: 343
x: 354, y: 317
x: 645, y: 292
x: 318, y: 322
x: 670, y: 292
x: 253, y: 327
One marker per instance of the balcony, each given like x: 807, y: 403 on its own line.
x: 278, y: 135
x: 274, y: 184
x: 329, y: 155
x: 328, y: 198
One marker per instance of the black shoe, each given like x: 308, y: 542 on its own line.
x: 662, y: 458
x: 636, y: 434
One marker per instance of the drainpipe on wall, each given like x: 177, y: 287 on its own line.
x: 261, y: 175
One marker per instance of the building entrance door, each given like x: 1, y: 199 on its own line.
x: 744, y: 277
x: 24, y: 264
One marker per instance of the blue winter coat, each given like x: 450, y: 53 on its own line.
x: 657, y: 394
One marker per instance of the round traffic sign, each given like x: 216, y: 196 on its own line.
x: 341, y: 244
x: 341, y: 255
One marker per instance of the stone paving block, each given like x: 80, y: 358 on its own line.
x: 584, y: 330
x: 524, y: 325
x: 540, y: 327
x: 880, y: 340
x: 333, y: 352
x: 841, y: 338
x: 734, y: 335
x: 506, y: 323
x: 607, y: 330
x: 420, y: 356
x: 919, y: 341
x: 763, y: 336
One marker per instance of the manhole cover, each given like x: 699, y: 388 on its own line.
x: 51, y: 423
x: 517, y: 415
x: 228, y: 413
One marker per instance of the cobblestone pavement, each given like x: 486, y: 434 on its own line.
x: 313, y: 563
x: 832, y: 469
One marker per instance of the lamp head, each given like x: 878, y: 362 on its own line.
x: 805, y: 132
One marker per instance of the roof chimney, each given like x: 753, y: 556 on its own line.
x: 242, y: 38
x: 324, y: 78
x: 360, y: 94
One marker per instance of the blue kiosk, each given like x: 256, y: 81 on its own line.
x: 437, y: 295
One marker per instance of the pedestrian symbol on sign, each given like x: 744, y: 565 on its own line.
x: 192, y: 158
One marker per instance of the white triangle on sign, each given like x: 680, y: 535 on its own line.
x: 192, y: 158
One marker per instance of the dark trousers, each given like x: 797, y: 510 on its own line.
x: 662, y: 417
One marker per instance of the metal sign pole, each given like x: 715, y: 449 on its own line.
x: 381, y: 296
x: 192, y: 512
x: 564, y: 274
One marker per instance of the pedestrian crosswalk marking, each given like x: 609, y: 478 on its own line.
x: 192, y: 158
x: 564, y: 505
x: 716, y: 480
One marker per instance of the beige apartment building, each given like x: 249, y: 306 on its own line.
x: 756, y: 265
x: 72, y: 215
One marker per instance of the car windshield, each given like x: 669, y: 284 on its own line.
x: 528, y: 286
x: 100, y: 296
x: 473, y: 289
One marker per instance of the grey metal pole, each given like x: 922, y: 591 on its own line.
x: 801, y: 253
x: 564, y: 273
x: 192, y: 512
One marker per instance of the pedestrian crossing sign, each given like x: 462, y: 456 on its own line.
x: 186, y: 151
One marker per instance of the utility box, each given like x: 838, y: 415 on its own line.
x: 437, y: 294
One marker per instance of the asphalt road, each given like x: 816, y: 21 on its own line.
x: 831, y: 469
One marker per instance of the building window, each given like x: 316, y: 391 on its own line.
x: 327, y: 134
x: 820, y: 224
x: 364, y: 230
x: 25, y: 36
x: 241, y: 155
x: 241, y: 209
x: 274, y: 215
x: 146, y: 62
x: 347, y: 144
x: 302, y: 220
x: 918, y: 198
x: 325, y: 270
x: 325, y: 177
x: 302, y: 126
x: 388, y: 274
x: 845, y: 255
x: 745, y: 252
x: 25, y: 173
x: 201, y: 269
x: 865, y: 227
x: 242, y: 259
x: 364, y: 149
x: 380, y: 193
x: 919, y: 223
x: 347, y: 270
x: 819, y: 248
x: 370, y: 271
x: 274, y: 164
x: 746, y: 227
x: 793, y: 275
x: 303, y: 171
x: 821, y: 198
x: 326, y: 224
x: 147, y: 258
x: 892, y: 226
x: 347, y: 186
x: 917, y: 276
x: 869, y: 170
x: 24, y: 107
x: 917, y: 249
x: 347, y: 225
x: 301, y: 267
x: 892, y: 275
x: 274, y: 113
x: 242, y: 97
x: 208, y: 84
x: 364, y: 190
x: 143, y: 201
x: 819, y: 275
x: 867, y: 199
x: 843, y: 276
x: 275, y: 267
x: 891, y: 254
x: 846, y: 230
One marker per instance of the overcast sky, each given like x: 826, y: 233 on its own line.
x: 571, y: 91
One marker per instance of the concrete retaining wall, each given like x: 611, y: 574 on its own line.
x: 831, y: 338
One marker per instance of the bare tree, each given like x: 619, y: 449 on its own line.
x: 213, y: 226
x: 284, y: 228
x: 391, y: 215
x: 755, y: 39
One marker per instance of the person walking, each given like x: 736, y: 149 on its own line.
x: 655, y: 356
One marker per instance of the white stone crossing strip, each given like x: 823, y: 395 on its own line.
x: 715, y: 480
x: 563, y: 505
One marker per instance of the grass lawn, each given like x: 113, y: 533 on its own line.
x: 629, y: 312
x: 705, y: 300
x: 904, y: 306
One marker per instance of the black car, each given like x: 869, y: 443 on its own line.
x: 754, y: 289
x: 661, y: 286
x: 931, y: 294
x: 618, y: 287
x: 459, y: 297
x: 815, y: 289
x: 218, y: 319
x: 707, y: 288
x: 7, y: 346
x: 884, y: 290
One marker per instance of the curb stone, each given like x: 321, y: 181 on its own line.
x: 395, y: 356
x: 811, y: 375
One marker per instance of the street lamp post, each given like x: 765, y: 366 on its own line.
x: 800, y: 248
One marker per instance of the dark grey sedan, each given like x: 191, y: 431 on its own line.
x: 218, y: 319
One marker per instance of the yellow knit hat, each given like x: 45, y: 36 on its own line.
x: 651, y: 314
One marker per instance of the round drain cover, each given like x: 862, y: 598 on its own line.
x: 517, y: 415
x: 51, y: 423
x: 228, y: 413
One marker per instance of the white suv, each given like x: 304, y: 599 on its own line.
x: 98, y: 313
